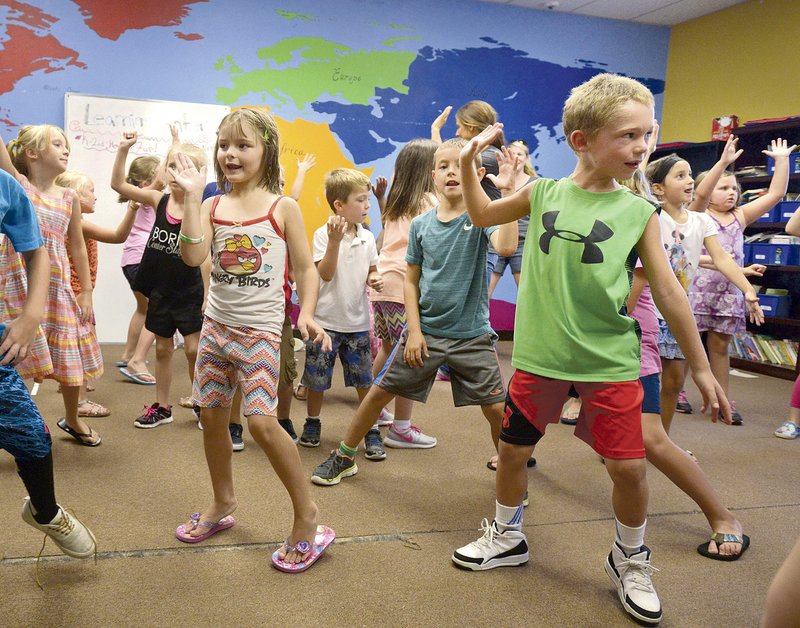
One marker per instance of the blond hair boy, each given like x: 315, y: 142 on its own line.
x: 584, y: 235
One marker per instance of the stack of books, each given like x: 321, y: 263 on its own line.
x: 760, y: 348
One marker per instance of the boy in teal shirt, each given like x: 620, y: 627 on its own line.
x: 447, y: 309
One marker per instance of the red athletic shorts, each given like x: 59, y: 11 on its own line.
x: 610, y: 420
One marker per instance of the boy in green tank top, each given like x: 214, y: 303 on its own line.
x: 585, y: 234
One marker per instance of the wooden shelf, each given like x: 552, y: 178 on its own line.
x: 777, y: 320
x: 764, y: 179
x: 773, y: 370
x: 767, y: 127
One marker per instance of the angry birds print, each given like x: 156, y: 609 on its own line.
x: 239, y: 257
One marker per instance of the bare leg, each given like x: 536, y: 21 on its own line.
x: 718, y: 357
x: 781, y: 606
x: 136, y: 326
x: 494, y: 414
x: 314, y: 402
x: 687, y: 475
x: 630, y: 494
x: 164, y: 351
x: 516, y: 278
x: 190, y: 343
x: 236, y: 407
x: 672, y: 379
x: 284, y: 400
x: 512, y: 473
x: 366, y: 415
x: 285, y: 460
x: 219, y: 451
x: 138, y: 362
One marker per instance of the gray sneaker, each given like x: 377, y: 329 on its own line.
x: 236, y: 431
x: 373, y: 446
x: 336, y: 467
x: 70, y: 535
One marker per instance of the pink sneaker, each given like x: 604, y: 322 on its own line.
x: 684, y: 407
x: 442, y: 376
x: 413, y: 438
x: 385, y: 418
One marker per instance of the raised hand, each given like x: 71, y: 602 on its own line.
x: 441, y: 119
x: 175, y: 133
x: 307, y: 163
x: 651, y: 145
x: 379, y: 187
x: 482, y: 141
x: 507, y: 165
x: 729, y: 152
x: 779, y: 148
x: 187, y: 176
x: 129, y: 138
x: 336, y: 228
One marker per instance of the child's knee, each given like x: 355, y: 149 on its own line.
x: 164, y: 348
x: 627, y: 472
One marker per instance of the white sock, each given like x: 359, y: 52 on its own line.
x: 312, y: 418
x: 508, y: 517
x: 630, y: 539
x: 401, y: 426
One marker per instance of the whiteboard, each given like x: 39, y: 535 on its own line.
x: 94, y: 126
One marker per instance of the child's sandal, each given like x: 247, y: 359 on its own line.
x: 323, y: 538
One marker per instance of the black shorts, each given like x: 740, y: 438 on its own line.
x: 165, y: 314
x: 130, y: 273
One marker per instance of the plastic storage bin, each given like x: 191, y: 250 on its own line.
x: 775, y: 254
x: 775, y: 305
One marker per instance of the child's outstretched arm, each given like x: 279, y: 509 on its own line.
x: 724, y: 263
x: 438, y: 123
x: 77, y: 251
x: 91, y: 231
x: 119, y: 184
x: 303, y: 166
x: 21, y: 331
x: 702, y: 193
x: 779, y: 151
x: 673, y: 304
x: 793, y: 226
x: 305, y: 273
x: 416, y: 348
x: 482, y: 211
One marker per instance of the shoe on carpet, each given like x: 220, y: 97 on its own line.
x: 153, y: 416
x: 70, y: 535
x: 373, y: 447
x: 385, y: 418
x: 312, y: 431
x: 196, y: 413
x: 736, y: 418
x: 288, y: 426
x: 493, y: 549
x: 413, y: 438
x: 788, y: 430
x: 236, y: 431
x: 442, y: 375
x: 631, y: 575
x: 683, y: 407
x: 336, y: 467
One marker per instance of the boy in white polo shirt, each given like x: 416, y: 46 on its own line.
x: 346, y: 258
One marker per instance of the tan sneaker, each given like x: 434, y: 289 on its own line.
x: 70, y: 535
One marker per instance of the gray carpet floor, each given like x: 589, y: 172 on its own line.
x: 397, y: 523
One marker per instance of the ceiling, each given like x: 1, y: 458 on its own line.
x: 661, y: 12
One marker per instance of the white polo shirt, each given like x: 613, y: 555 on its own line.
x: 343, y: 305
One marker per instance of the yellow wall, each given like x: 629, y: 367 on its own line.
x: 744, y: 60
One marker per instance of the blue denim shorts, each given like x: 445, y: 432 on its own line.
x: 355, y: 354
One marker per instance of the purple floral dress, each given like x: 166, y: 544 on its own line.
x: 717, y: 304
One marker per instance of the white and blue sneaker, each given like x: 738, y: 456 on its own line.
x: 493, y: 549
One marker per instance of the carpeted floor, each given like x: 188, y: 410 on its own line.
x: 397, y: 523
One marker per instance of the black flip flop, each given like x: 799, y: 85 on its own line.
x: 530, y: 464
x: 719, y: 538
x: 78, y: 436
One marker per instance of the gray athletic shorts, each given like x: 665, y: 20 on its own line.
x: 475, y: 376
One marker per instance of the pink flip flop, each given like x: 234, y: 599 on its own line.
x: 183, y: 530
x: 323, y: 538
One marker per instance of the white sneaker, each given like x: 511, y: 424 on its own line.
x: 413, y: 438
x: 493, y: 549
x: 787, y: 430
x: 631, y: 574
x: 385, y: 418
x: 70, y: 535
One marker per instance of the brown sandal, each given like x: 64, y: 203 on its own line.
x: 301, y: 393
x: 90, y: 409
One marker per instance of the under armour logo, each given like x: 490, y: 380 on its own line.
x: 591, y: 252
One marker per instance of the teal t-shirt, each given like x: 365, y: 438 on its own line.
x: 577, y: 264
x: 454, y: 299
